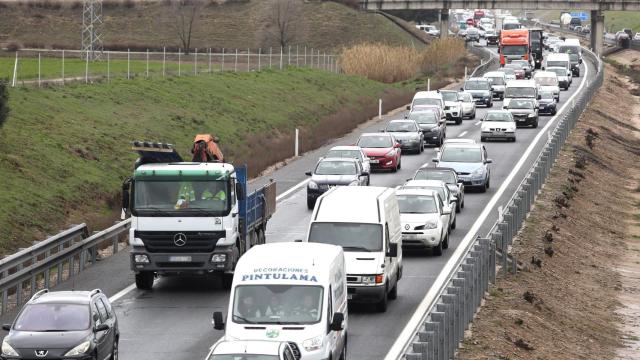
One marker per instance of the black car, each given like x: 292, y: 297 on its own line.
x: 63, y: 325
x: 480, y: 89
x: 433, y: 128
x: 524, y: 111
x: 547, y: 103
x: 331, y: 172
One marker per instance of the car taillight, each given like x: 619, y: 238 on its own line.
x: 379, y: 279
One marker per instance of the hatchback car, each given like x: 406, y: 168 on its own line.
x: 251, y: 350
x: 526, y: 66
x: 564, y: 76
x: 470, y: 161
x: 524, y: 111
x: 448, y: 176
x: 498, y: 124
x: 442, y: 189
x: 518, y: 69
x: 383, y: 150
x: 63, y: 325
x: 351, y: 152
x: 407, y: 133
x: 434, y: 129
x: 547, y: 103
x: 468, y: 105
x: 498, y: 82
x: 331, y: 172
x: 509, y: 73
x: 425, y: 219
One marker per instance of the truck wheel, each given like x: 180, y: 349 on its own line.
x: 383, y: 304
x: 262, y: 239
x: 144, y: 280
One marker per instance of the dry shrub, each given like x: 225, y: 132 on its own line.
x: 355, y: 4
x: 442, y: 52
x: 381, y: 62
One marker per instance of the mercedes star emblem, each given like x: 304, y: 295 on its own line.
x: 41, y: 353
x: 180, y: 239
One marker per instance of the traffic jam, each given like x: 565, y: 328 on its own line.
x: 197, y: 216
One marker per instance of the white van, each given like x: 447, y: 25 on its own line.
x: 365, y: 221
x: 427, y: 98
x: 548, y: 81
x: 520, y: 89
x: 293, y: 292
x: 498, y: 80
x: 557, y: 60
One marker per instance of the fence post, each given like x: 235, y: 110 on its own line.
x: 179, y: 61
x: 305, y: 55
x: 108, y: 68
x: 86, y: 70
x: 128, y: 63
x: 209, y: 60
x: 297, y: 55
x: 428, y: 84
x: 222, y: 67
x: 147, y: 72
x: 63, y: 67
x: 281, y: 50
x: 297, y: 143
x: 39, y: 70
x: 259, y: 59
x: 289, y: 61
x: 248, y: 59
x: 324, y: 60
x: 318, y: 62
x: 195, y: 62
x: 164, y: 60
x: 15, y: 74
x: 380, y: 109
x: 465, y: 73
x: 270, y: 55
x: 235, y: 66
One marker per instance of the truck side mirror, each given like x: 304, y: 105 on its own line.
x: 240, y: 191
x: 126, y: 197
x: 218, y: 321
x: 393, y: 250
x: 337, y: 322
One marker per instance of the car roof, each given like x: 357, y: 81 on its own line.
x: 425, y: 183
x: 494, y: 73
x: 521, y: 83
x: 347, y: 159
x: 66, y: 297
x: 427, y: 95
x: 477, y: 79
x: 427, y: 168
x: 544, y: 74
x: 499, y: 111
x: 402, y: 120
x: 459, y: 146
x: 376, y: 134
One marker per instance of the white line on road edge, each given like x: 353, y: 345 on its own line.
x: 478, y: 123
x: 408, y: 332
x: 294, y: 188
x: 463, y: 133
x: 122, y: 293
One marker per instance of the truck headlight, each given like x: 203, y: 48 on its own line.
x: 312, y: 185
x: 219, y: 258
x: 312, y: 344
x: 80, y: 349
x: 8, y: 350
x: 141, y: 258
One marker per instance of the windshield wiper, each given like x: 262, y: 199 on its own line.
x: 357, y: 248
x: 246, y: 321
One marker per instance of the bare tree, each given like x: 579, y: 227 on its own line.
x: 283, y: 21
x: 186, y: 13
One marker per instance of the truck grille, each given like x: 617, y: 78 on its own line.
x: 296, y: 350
x: 194, y: 241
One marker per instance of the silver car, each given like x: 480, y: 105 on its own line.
x: 408, y: 134
x: 468, y: 105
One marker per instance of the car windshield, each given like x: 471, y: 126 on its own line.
x: 277, y: 304
x: 461, y: 154
x: 243, y: 357
x: 477, y: 85
x: 427, y: 101
x: 522, y: 92
x: 569, y: 49
x: 446, y: 176
x: 546, y: 81
x: 520, y: 104
x: 466, y: 97
x: 424, y: 117
x: 184, y: 196
x: 438, y: 189
x: 496, y: 80
x: 354, y: 154
x: 351, y: 236
x: 53, y: 317
x: 510, y: 26
x: 514, y: 50
x: 401, y: 126
x: 375, y: 141
x: 546, y: 95
x: 449, y: 96
x: 335, y: 168
x: 498, y: 116
x: 416, y: 204
x: 558, y: 63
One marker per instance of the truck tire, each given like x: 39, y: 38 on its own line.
x: 262, y: 239
x: 144, y: 280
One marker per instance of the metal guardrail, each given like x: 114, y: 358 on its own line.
x: 456, y: 295
x: 54, y: 260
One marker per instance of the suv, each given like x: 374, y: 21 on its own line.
x: 64, y: 324
x: 452, y: 105
x: 480, y: 89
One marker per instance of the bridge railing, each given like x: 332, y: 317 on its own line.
x: 449, y: 306
x: 54, y: 260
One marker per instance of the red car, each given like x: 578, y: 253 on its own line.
x: 383, y: 150
x: 520, y: 73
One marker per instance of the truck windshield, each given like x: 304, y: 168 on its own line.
x: 181, y: 197
x: 277, y: 304
x: 520, y: 92
x: 351, y: 236
x: 514, y: 50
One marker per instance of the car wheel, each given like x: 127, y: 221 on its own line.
x: 343, y: 354
x: 458, y: 206
x: 399, y: 163
x: 368, y: 180
x: 227, y: 281
x: 144, y: 280
x: 311, y: 203
x: 455, y: 222
x: 383, y: 304
x: 114, y: 350
x: 513, y: 139
x: 458, y: 121
x: 445, y: 243
x: 474, y: 115
x: 535, y: 124
x: 462, y: 205
x: 490, y: 105
x: 482, y: 139
x: 437, y: 251
x: 554, y: 112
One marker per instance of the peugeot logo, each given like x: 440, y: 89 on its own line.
x: 180, y: 239
x: 41, y: 353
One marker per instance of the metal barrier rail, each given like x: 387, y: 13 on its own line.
x: 457, y: 293
x: 52, y: 261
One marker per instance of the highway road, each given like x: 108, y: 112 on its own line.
x: 173, y: 320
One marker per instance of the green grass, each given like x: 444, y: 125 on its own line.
x: 67, y: 148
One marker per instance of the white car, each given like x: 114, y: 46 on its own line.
x: 498, y: 81
x: 442, y: 189
x: 468, y: 105
x: 498, y: 124
x: 241, y: 349
x: 452, y: 105
x: 352, y: 152
x: 425, y: 219
x: 636, y: 37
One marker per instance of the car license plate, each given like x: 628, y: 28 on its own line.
x: 179, y: 258
x: 375, y: 161
x: 411, y: 236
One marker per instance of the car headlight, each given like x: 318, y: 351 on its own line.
x: 219, y: 258
x: 80, y: 349
x: 532, y: 115
x: 369, y: 279
x: 477, y: 172
x: 390, y: 153
x: 313, y: 343
x: 429, y: 225
x: 312, y: 185
x: 8, y: 350
x: 136, y: 242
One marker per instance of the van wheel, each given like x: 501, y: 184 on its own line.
x: 383, y: 304
x: 114, y: 350
x: 393, y: 294
x: 144, y: 280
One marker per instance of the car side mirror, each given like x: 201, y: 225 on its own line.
x: 337, y: 323
x: 435, y: 160
x: 396, y: 145
x: 308, y: 173
x: 126, y: 197
x: 580, y: 61
x: 6, y: 327
x: 101, y: 327
x: 240, y: 191
x: 454, y: 199
x: 218, y: 321
x: 488, y: 161
x: 442, y: 121
x: 393, y: 250
x: 461, y: 89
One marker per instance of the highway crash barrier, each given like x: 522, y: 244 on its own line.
x: 450, y: 304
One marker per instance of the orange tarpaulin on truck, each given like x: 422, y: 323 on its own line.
x: 205, y: 149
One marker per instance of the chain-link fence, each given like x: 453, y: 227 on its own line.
x: 456, y: 295
x: 38, y: 67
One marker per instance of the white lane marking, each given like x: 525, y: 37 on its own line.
x: 463, y: 133
x: 294, y: 188
x: 478, y: 123
x: 408, y: 332
x: 122, y: 293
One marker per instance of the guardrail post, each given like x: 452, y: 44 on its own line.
x: 509, y: 233
x: 461, y: 283
x: 432, y: 328
x: 453, y: 300
x: 513, y: 209
x: 440, y: 318
x: 446, y: 310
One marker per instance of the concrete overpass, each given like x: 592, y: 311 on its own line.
x: 595, y: 6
